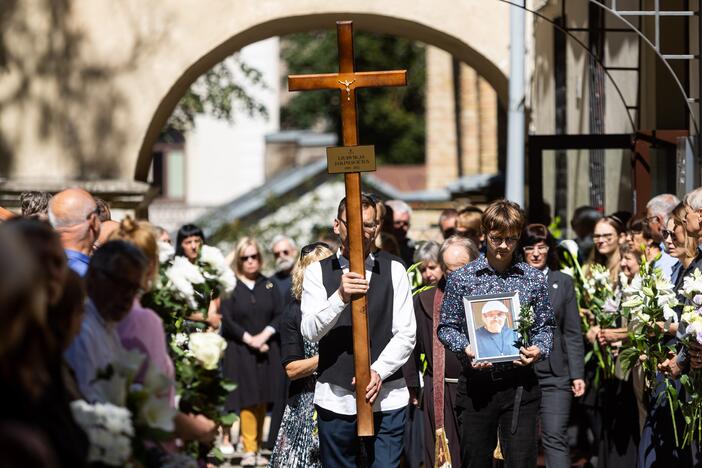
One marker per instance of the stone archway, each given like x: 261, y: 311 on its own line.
x: 487, y: 57
x: 86, y: 85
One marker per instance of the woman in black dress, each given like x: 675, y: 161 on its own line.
x: 297, y: 445
x: 250, y: 324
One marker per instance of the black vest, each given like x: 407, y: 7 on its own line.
x: 336, y: 347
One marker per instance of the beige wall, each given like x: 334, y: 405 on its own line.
x: 88, y: 84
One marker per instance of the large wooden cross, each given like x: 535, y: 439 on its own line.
x: 347, y: 81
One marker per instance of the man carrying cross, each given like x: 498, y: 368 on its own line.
x: 328, y: 287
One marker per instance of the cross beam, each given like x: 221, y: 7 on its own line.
x: 347, y: 81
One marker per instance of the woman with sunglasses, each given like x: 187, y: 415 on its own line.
x: 561, y: 376
x: 250, y: 324
x: 658, y: 446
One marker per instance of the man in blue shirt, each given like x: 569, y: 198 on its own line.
x: 495, y: 338
x: 503, y: 397
x: 74, y: 214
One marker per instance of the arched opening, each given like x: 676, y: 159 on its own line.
x: 368, y: 22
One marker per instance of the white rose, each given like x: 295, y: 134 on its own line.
x: 207, y: 348
x: 228, y: 279
x: 213, y: 257
x: 112, y: 390
x: 165, y: 251
x: 157, y: 413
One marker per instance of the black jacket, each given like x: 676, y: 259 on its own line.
x: 567, y: 357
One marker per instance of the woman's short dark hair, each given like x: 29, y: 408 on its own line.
x: 185, y: 231
x: 535, y: 233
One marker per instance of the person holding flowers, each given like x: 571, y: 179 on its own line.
x: 142, y: 329
x: 561, y: 376
x: 609, y: 231
x: 657, y: 438
x: 250, y: 323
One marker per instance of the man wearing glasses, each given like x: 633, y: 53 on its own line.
x: 114, y: 279
x: 503, y: 397
x: 401, y: 217
x: 326, y: 318
x: 74, y: 215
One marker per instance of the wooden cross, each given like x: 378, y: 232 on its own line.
x: 347, y: 81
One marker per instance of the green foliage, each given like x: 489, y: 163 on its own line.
x: 390, y: 118
x: 220, y: 93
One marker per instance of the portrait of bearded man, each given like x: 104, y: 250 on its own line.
x: 495, y: 337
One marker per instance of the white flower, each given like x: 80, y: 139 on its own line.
x: 568, y: 271
x: 213, y: 257
x: 156, y: 412
x: 112, y: 390
x: 228, y: 280
x: 156, y: 382
x: 571, y: 246
x: 128, y: 363
x: 207, y: 348
x: 165, y: 251
x: 183, y: 275
x: 181, y: 340
x: 108, y: 428
x: 669, y: 314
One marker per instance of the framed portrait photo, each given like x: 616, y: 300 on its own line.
x: 492, y: 323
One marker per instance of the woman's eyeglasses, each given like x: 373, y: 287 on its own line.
x: 244, y: 258
x: 604, y: 237
x: 542, y: 249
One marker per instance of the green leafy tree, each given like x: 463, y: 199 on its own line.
x: 219, y: 93
x: 390, y: 118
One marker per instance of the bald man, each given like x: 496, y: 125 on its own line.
x: 74, y: 215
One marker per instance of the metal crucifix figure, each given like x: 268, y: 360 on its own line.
x: 347, y: 81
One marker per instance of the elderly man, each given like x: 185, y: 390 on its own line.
x: 495, y: 337
x: 74, y: 215
x: 114, y: 278
x: 657, y: 211
x: 285, y: 253
x: 401, y: 216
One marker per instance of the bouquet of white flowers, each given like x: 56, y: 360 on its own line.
x: 109, y: 429
x: 691, y: 318
x: 648, y: 303
x: 598, y: 298
x: 184, y: 288
x: 147, y: 401
x: 201, y: 387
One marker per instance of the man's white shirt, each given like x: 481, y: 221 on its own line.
x: 319, y: 315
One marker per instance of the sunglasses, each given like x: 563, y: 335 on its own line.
x: 284, y: 252
x: 244, y: 258
x: 667, y: 233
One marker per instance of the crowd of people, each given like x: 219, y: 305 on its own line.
x: 72, y: 280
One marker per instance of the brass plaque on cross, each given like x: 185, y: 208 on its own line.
x: 343, y: 159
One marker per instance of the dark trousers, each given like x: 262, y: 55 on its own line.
x: 556, y: 397
x: 340, y: 447
x: 486, y: 403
